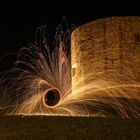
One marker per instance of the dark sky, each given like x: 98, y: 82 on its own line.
x: 18, y: 31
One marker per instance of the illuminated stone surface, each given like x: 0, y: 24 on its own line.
x: 110, y: 46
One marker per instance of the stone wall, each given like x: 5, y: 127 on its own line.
x: 110, y: 46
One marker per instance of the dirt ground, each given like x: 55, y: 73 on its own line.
x: 68, y: 128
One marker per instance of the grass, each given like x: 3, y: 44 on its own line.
x: 68, y: 128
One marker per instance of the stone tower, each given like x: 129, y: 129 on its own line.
x: 109, y: 47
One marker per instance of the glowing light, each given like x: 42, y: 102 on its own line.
x: 105, y: 77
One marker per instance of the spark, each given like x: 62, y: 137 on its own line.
x: 39, y: 70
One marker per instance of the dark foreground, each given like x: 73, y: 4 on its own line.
x: 68, y: 128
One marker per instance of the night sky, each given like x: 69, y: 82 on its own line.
x: 18, y: 31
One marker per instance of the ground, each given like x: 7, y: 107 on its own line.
x: 68, y: 128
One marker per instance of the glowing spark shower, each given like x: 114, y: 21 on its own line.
x: 105, y: 67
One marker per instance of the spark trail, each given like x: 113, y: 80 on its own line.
x: 40, y: 84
